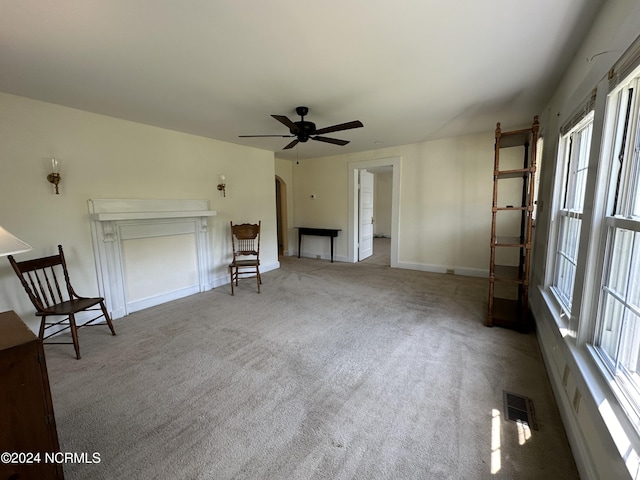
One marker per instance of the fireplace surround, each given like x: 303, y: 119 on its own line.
x: 148, y: 252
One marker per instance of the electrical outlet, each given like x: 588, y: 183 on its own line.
x: 577, y: 396
x: 565, y: 376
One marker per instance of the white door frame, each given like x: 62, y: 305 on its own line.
x: 352, y: 231
x: 365, y: 223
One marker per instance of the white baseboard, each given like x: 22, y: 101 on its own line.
x: 468, y: 272
x: 576, y: 439
x: 323, y: 256
x: 162, y: 298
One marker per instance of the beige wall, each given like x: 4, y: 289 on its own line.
x: 324, y: 178
x: 382, y: 204
x: 445, y: 201
x: 103, y: 157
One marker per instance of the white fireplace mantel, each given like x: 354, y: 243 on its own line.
x: 116, y: 221
x: 131, y: 209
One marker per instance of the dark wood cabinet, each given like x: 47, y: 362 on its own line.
x: 512, y: 226
x: 27, y: 423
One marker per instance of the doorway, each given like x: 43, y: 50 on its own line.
x: 382, y: 201
x: 392, y: 166
x: 281, y: 216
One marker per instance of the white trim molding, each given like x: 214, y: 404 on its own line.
x: 114, y: 221
x: 352, y: 237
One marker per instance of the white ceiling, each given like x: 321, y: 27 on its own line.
x: 410, y: 70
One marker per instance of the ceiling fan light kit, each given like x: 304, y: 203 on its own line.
x: 303, y: 130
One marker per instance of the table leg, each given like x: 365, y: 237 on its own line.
x: 299, y: 242
x: 331, y: 249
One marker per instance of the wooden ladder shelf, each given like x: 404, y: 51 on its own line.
x: 514, y: 172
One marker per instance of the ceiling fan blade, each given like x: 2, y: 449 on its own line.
x: 292, y: 144
x: 335, y: 141
x: 342, y: 126
x: 253, y: 136
x: 285, y: 121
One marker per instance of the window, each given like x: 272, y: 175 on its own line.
x: 617, y: 334
x: 574, y: 156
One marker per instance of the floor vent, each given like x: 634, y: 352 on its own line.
x: 518, y: 408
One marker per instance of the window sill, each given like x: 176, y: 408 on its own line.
x: 556, y: 311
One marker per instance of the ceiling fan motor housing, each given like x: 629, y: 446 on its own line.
x: 304, y: 130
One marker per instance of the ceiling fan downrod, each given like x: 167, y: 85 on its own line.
x: 305, y: 129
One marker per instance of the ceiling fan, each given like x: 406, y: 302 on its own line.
x: 303, y: 130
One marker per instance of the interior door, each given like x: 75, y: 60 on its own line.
x: 365, y: 231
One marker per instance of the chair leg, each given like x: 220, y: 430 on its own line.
x: 42, y: 324
x: 231, y: 275
x: 259, y: 280
x: 74, y: 334
x: 107, y: 317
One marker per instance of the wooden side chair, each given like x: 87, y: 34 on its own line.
x: 42, y: 279
x: 245, y: 241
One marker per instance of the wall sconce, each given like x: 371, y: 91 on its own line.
x: 54, y: 176
x: 222, y: 186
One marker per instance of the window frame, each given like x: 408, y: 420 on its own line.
x: 564, y: 190
x: 622, y: 188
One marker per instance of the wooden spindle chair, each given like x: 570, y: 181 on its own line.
x: 245, y: 242
x: 42, y: 279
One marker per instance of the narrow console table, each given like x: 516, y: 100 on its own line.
x: 318, y: 232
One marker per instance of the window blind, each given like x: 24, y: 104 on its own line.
x: 584, y: 107
x: 628, y: 62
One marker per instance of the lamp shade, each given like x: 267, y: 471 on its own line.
x: 10, y: 244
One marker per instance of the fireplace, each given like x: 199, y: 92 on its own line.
x: 148, y: 252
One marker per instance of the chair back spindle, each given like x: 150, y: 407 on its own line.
x: 39, y: 278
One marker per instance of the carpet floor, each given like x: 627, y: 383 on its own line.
x: 335, y: 371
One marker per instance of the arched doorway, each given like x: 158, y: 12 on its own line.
x: 281, y: 216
